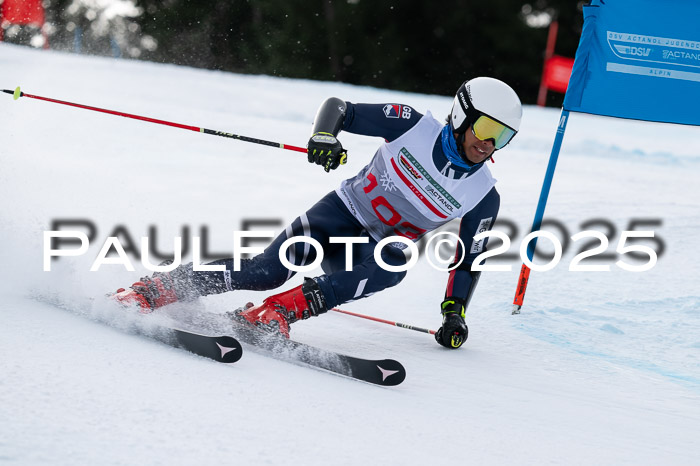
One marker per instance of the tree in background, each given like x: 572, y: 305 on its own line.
x: 409, y: 45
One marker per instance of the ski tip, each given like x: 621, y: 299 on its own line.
x: 231, y: 349
x: 224, y: 349
x: 390, y: 373
x: 516, y: 309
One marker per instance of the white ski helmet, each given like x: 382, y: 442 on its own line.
x: 491, y: 98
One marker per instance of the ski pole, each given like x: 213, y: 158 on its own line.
x: 17, y: 93
x: 376, y: 319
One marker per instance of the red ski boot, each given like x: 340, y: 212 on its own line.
x: 149, y: 293
x: 278, y: 311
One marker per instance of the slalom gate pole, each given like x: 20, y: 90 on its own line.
x: 17, y: 93
x: 539, y: 214
x: 383, y: 321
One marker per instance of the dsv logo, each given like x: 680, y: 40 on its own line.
x: 637, y: 51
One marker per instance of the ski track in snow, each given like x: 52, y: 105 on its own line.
x: 600, y: 368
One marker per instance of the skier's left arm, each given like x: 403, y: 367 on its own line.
x: 388, y: 121
x: 462, y: 280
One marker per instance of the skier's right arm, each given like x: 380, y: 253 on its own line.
x: 323, y: 147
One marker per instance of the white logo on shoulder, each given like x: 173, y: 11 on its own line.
x: 484, y: 225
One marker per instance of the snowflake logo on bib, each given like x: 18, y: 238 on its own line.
x: 387, y: 182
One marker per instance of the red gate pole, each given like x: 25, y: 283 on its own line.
x: 549, y: 51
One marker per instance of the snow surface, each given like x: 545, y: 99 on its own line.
x: 600, y: 368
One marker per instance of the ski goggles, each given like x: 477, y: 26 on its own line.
x: 487, y: 128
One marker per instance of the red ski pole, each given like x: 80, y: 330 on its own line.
x: 17, y: 93
x: 376, y: 319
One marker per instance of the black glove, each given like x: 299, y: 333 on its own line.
x: 454, y: 330
x: 324, y: 149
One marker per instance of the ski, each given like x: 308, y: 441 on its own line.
x: 224, y: 348
x: 227, y: 346
x: 227, y: 349
x: 385, y: 372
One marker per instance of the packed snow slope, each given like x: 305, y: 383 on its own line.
x: 600, y: 367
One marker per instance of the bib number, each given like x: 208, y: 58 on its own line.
x: 405, y: 229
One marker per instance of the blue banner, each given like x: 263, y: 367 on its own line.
x: 638, y: 59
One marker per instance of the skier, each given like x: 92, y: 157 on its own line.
x: 425, y: 174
